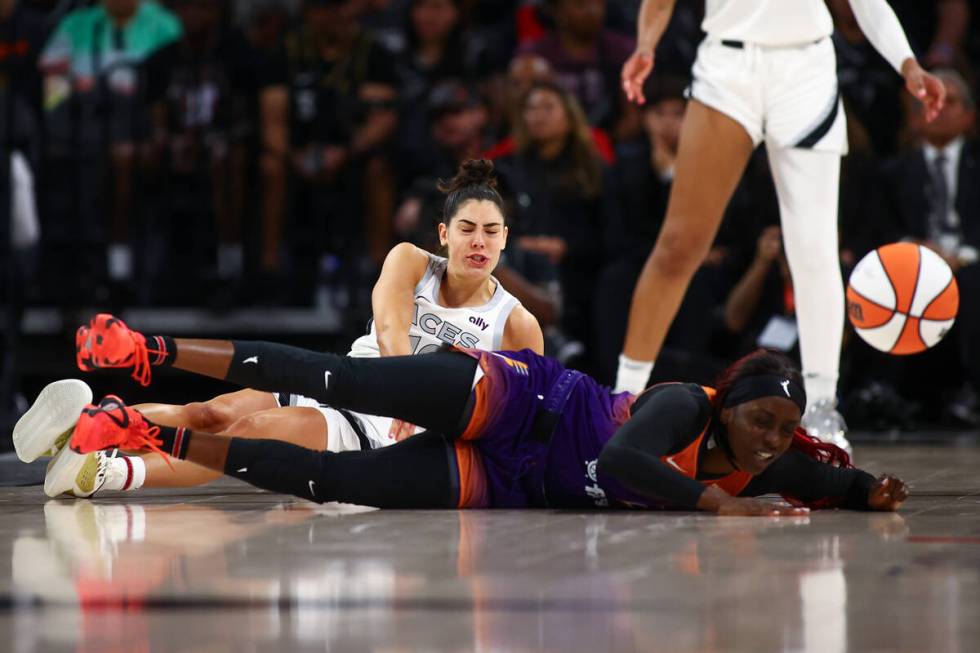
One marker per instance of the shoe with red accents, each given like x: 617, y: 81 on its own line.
x: 108, y: 342
x: 112, y: 425
x: 83, y: 349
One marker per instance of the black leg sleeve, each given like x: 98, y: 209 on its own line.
x: 418, y: 472
x: 431, y: 391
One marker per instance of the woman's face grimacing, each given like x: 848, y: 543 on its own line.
x: 760, y: 431
x: 475, y: 236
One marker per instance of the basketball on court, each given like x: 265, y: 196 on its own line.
x: 902, y: 298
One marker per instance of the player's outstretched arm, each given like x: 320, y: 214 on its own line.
x: 650, y: 26
x: 880, y: 24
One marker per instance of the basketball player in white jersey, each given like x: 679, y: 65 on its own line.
x: 765, y: 73
x: 421, y: 303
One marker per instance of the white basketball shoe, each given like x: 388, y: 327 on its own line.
x: 46, y: 427
x: 83, y: 474
x: 822, y: 421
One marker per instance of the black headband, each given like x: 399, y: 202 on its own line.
x: 765, y: 385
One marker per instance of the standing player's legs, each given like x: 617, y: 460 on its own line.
x: 712, y: 155
x: 807, y: 184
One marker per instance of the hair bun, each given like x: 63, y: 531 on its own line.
x: 474, y: 172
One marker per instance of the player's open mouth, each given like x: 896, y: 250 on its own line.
x: 479, y: 259
x: 764, y: 456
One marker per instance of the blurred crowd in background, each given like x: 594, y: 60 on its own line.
x: 221, y: 154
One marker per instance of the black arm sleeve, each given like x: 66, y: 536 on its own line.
x: 800, y: 476
x: 665, y: 422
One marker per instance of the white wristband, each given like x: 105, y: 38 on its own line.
x: 632, y: 375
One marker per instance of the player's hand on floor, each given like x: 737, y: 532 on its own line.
x: 887, y: 493
x: 745, y: 507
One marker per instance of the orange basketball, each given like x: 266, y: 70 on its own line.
x: 902, y: 298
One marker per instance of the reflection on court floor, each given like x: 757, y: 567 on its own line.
x: 230, y: 568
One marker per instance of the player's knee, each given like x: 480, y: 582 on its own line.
x: 679, y: 253
x: 252, y: 426
x: 207, y: 416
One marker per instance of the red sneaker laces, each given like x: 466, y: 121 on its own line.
x: 140, y: 434
x: 146, y: 438
x: 141, y: 366
x: 142, y: 372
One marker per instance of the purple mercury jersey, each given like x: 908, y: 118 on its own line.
x: 522, y: 467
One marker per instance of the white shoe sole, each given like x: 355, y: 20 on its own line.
x: 56, y: 409
x: 62, y: 475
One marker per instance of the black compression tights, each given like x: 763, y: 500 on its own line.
x: 418, y: 472
x: 431, y: 391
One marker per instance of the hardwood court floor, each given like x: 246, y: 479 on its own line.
x: 230, y: 568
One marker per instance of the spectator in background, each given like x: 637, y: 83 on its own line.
x: 200, y: 89
x: 95, y: 106
x: 264, y: 22
x: 586, y: 58
x: 506, y: 92
x: 457, y: 120
x: 936, y: 29
x: 328, y: 114
x: 435, y: 51
x: 562, y: 194
x: 760, y: 310
x: 524, y: 72
x: 22, y: 34
x: 931, y: 194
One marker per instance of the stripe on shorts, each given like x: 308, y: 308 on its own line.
x: 357, y: 427
x: 821, y: 129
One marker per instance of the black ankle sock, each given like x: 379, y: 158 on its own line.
x: 175, y: 440
x: 162, y: 349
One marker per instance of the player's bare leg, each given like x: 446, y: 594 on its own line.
x: 712, y: 155
x: 305, y: 427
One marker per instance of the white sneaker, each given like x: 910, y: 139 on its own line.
x: 822, y: 421
x: 82, y: 474
x: 46, y: 427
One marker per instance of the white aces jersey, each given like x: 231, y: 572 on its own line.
x: 473, y: 327
x: 768, y: 22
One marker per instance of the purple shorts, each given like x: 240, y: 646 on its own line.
x: 527, y: 461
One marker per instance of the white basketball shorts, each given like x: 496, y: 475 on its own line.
x: 786, y: 96
x: 346, y: 430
